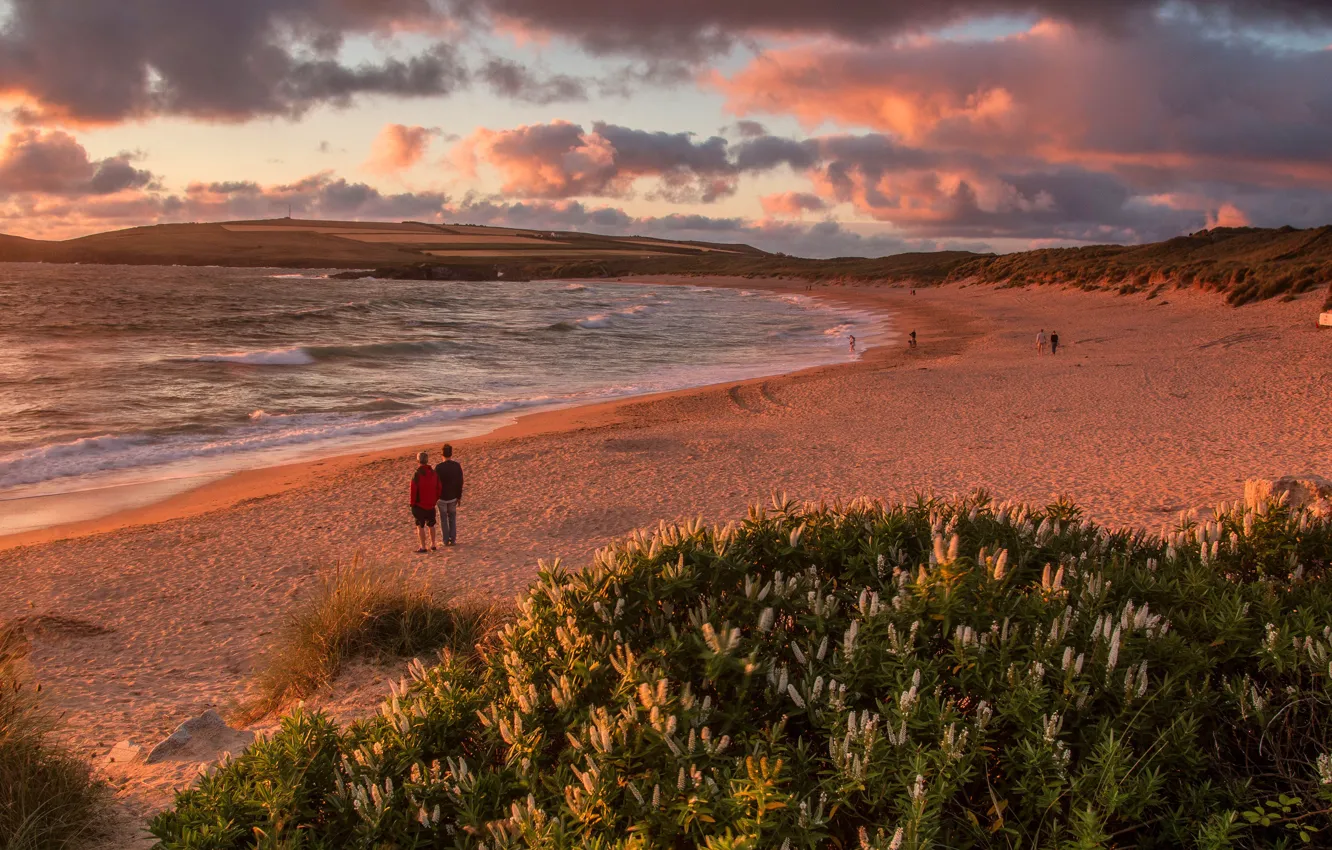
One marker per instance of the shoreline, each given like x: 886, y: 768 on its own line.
x: 226, y: 490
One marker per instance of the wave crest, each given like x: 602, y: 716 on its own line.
x: 297, y: 356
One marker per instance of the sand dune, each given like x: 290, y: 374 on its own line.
x: 1149, y: 408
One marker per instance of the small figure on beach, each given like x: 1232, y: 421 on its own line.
x: 1041, y: 341
x: 1054, y: 342
x: 913, y: 292
x: 450, y: 476
x: 853, y: 343
x: 425, y: 493
x: 911, y: 340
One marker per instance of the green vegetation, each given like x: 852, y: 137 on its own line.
x: 942, y: 674
x: 1245, y: 263
x: 48, y: 798
x: 360, y: 610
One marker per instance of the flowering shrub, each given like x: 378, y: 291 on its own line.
x: 942, y: 674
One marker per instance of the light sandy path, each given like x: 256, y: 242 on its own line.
x: 1149, y: 408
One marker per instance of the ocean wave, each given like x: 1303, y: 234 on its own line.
x: 114, y: 453
x: 265, y: 319
x: 381, y: 349
x: 575, y: 287
x: 307, y: 355
x: 598, y: 321
x: 273, y: 357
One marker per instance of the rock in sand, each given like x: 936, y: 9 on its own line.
x: 203, y: 738
x: 1311, y: 491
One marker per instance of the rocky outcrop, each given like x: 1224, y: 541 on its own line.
x: 1311, y: 491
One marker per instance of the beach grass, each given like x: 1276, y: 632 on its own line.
x: 49, y: 799
x: 938, y: 674
x: 361, y: 610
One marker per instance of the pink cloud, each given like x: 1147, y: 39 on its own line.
x: 399, y: 147
x: 791, y: 204
x: 1227, y: 215
x: 1162, y: 96
x: 563, y: 160
x: 53, y: 162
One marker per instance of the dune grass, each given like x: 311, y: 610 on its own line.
x: 361, y: 610
x: 49, y: 799
x: 929, y: 676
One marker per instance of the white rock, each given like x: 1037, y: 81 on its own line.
x: 203, y: 738
x: 1325, y: 319
x: 1312, y: 491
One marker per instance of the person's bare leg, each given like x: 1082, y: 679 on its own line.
x: 420, y: 535
x: 433, y: 547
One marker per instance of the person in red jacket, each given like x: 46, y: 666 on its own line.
x: 425, y: 493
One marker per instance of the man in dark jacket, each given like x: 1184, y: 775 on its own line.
x: 425, y: 493
x: 451, y: 488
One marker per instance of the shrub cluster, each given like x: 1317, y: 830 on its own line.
x: 942, y: 674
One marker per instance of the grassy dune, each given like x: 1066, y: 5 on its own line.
x: 360, y: 610
x: 49, y: 799
x: 1246, y: 264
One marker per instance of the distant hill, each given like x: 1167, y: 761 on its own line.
x: 1244, y: 263
x: 294, y: 243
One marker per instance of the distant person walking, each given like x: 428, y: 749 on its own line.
x: 1054, y: 342
x: 425, y: 493
x: 853, y: 343
x: 911, y: 341
x: 1041, y: 341
x: 450, y: 476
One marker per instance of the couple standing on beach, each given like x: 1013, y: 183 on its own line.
x: 440, y: 486
x: 1052, y: 341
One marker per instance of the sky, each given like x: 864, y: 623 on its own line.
x: 830, y: 128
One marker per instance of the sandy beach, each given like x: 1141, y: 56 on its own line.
x: 146, y: 618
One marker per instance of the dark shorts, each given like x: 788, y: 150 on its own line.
x: 423, y: 516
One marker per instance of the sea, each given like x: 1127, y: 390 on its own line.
x: 122, y: 385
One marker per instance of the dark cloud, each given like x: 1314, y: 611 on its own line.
x: 518, y: 82
x: 699, y: 28
x: 748, y: 129
x: 91, y: 62
x: 323, y: 195
x: 54, y: 163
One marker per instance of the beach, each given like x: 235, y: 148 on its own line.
x: 144, y: 619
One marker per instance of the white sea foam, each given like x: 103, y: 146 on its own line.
x: 275, y: 357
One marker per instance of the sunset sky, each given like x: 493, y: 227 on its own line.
x: 821, y: 128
